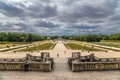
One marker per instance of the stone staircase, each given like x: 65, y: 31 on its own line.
x: 61, y: 64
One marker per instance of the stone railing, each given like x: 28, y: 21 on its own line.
x: 19, y: 66
x: 95, y: 66
x: 92, y: 63
x: 35, y: 63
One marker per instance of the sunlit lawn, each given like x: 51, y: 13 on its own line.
x: 110, y: 44
x: 45, y: 46
x: 76, y: 46
x: 11, y: 44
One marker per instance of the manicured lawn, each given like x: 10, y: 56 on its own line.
x: 110, y: 44
x: 45, y: 46
x: 75, y: 46
x: 11, y: 44
x: 12, y: 48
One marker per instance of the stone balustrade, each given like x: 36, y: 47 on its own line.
x: 19, y: 66
x: 92, y: 63
x: 36, y: 63
x: 95, y: 66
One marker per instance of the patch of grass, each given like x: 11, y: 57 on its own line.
x: 75, y: 46
x: 45, y: 46
x: 115, y: 41
x: 12, y: 48
x: 108, y: 48
x: 11, y: 44
x: 110, y: 44
x: 99, y: 43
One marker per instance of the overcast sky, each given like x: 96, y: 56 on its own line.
x: 60, y: 17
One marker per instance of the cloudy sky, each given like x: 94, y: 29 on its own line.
x: 60, y: 17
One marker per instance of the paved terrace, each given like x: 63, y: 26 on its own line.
x: 61, y: 69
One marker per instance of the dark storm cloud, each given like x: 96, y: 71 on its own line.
x: 6, y: 26
x: 88, y: 10
x: 84, y: 29
x: 96, y: 21
x: 9, y: 9
x: 85, y: 26
x: 37, y: 9
x: 22, y: 25
x: 115, y: 17
x: 50, y: 11
x: 46, y: 24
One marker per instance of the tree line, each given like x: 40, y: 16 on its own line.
x: 94, y: 37
x: 20, y: 37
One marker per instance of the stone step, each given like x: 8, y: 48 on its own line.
x: 61, y: 67
x: 61, y: 64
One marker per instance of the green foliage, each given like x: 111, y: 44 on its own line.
x: 54, y: 37
x: 114, y: 41
x: 87, y: 38
x: 94, y: 37
x: 51, y: 37
x: 114, y: 37
x: 68, y: 37
x: 20, y: 37
x: 90, y: 38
